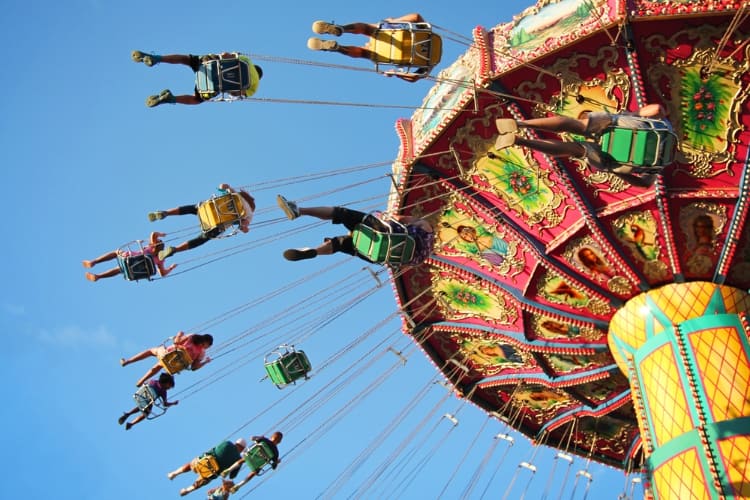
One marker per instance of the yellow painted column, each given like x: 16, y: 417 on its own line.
x: 685, y: 350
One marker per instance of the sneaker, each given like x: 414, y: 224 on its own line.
x: 158, y: 215
x: 164, y: 96
x: 122, y: 419
x: 505, y: 141
x: 165, y: 253
x: 506, y: 125
x: 88, y: 264
x: 91, y: 277
x: 147, y: 59
x: 289, y: 207
x: 295, y: 254
x: 324, y: 28
x: 318, y: 44
x: 128, y: 426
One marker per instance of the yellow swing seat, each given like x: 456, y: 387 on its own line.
x: 206, y: 466
x: 410, y: 47
x: 175, y: 360
x: 221, y: 211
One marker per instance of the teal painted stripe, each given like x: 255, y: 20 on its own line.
x: 729, y: 428
x: 690, y: 439
x: 625, y: 350
x: 716, y: 304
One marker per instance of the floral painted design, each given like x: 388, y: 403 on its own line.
x: 706, y: 107
x: 523, y: 187
x: 460, y: 300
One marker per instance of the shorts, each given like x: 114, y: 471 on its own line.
x: 598, y: 122
x: 350, y: 218
x: 195, y: 62
x: 195, y: 65
x: 597, y: 158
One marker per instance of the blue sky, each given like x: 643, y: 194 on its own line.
x: 84, y: 161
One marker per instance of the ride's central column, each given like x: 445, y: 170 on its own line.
x: 685, y: 350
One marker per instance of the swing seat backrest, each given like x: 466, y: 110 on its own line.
x: 258, y: 456
x: 652, y: 147
x: 407, y: 44
x: 382, y: 247
x: 288, y: 368
x: 221, y: 211
x: 149, y: 402
x: 145, y: 397
x: 175, y: 361
x: 219, y: 76
x: 207, y: 467
x: 136, y: 267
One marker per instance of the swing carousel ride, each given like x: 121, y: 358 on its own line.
x: 589, y: 314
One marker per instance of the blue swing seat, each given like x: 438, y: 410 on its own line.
x: 136, y: 267
x: 220, y: 76
x: 149, y: 402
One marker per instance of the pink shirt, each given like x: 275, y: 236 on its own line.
x: 195, y: 351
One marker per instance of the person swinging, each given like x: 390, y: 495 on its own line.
x: 599, y: 129
x: 419, y: 230
x: 406, y: 43
x: 231, y: 207
x: 228, y: 72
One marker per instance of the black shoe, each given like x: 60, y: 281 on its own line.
x: 294, y: 254
x: 122, y: 419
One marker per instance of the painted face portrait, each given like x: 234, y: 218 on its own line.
x: 703, y: 230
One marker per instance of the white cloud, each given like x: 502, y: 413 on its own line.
x: 74, y: 336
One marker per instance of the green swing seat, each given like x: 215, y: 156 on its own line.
x: 652, y: 147
x: 258, y: 457
x: 287, y: 366
x: 383, y: 247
